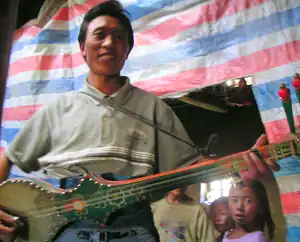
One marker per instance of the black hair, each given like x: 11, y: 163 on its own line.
x: 220, y: 200
x: 263, y: 218
x: 111, y: 8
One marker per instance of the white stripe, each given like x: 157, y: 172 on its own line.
x: 63, y: 25
x: 47, y: 75
x: 59, y: 49
x: 288, y: 183
x: 95, y: 151
x: 3, y: 143
x: 217, y: 58
x: 163, y: 14
x: 31, y: 100
x: 156, y: 17
x: 126, y: 3
x: 85, y: 160
x: 278, y: 114
x: 45, y: 49
x: 222, y: 25
x: 292, y: 220
x: 230, y: 22
x: 12, y: 124
x: 278, y: 72
x: 24, y: 37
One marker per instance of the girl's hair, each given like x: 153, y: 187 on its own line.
x: 263, y: 218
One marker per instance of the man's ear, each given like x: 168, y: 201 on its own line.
x: 82, y: 51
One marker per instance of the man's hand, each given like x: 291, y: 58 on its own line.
x: 7, y: 222
x: 256, y: 169
x: 8, y: 225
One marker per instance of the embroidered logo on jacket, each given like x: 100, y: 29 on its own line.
x: 176, y: 230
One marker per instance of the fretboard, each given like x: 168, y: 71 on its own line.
x: 209, y: 170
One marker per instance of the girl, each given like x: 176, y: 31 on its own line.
x: 249, y: 213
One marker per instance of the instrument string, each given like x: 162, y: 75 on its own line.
x: 48, y: 210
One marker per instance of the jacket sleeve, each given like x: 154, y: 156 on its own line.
x: 172, y: 153
x: 31, y: 142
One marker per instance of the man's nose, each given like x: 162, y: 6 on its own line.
x: 108, y: 41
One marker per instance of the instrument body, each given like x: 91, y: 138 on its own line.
x: 44, y: 209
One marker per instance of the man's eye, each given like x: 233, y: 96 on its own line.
x: 100, y: 35
x: 233, y: 200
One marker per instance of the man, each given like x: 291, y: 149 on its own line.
x: 179, y: 218
x: 82, y: 132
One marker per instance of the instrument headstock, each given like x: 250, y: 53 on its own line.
x: 295, y: 137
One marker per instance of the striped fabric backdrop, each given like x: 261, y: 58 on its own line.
x: 180, y: 45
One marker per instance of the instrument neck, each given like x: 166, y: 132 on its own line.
x: 209, y: 170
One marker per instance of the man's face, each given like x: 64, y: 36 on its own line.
x: 106, y: 46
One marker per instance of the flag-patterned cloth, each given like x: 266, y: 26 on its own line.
x: 180, y: 46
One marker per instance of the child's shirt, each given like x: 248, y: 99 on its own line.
x: 184, y: 222
x: 256, y: 236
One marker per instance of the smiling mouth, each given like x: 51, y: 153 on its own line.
x: 107, y: 56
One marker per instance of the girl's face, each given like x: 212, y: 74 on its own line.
x: 219, y: 216
x: 243, y: 205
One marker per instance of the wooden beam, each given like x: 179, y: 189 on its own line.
x: 202, y: 105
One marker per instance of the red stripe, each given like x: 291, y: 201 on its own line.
x: 26, y: 31
x: 63, y: 14
x: 177, y: 82
x: 46, y: 62
x: 69, y: 13
x: 279, y: 128
x: 194, y: 17
x: 186, y: 80
x: 242, y: 66
x: 275, y: 129
x: 204, y: 14
x: 290, y: 202
x: 19, y: 113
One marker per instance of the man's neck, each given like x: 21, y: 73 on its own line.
x: 105, y: 84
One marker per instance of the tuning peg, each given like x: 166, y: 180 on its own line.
x: 285, y: 96
x: 296, y: 85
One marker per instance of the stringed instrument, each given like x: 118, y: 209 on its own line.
x: 44, y: 209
